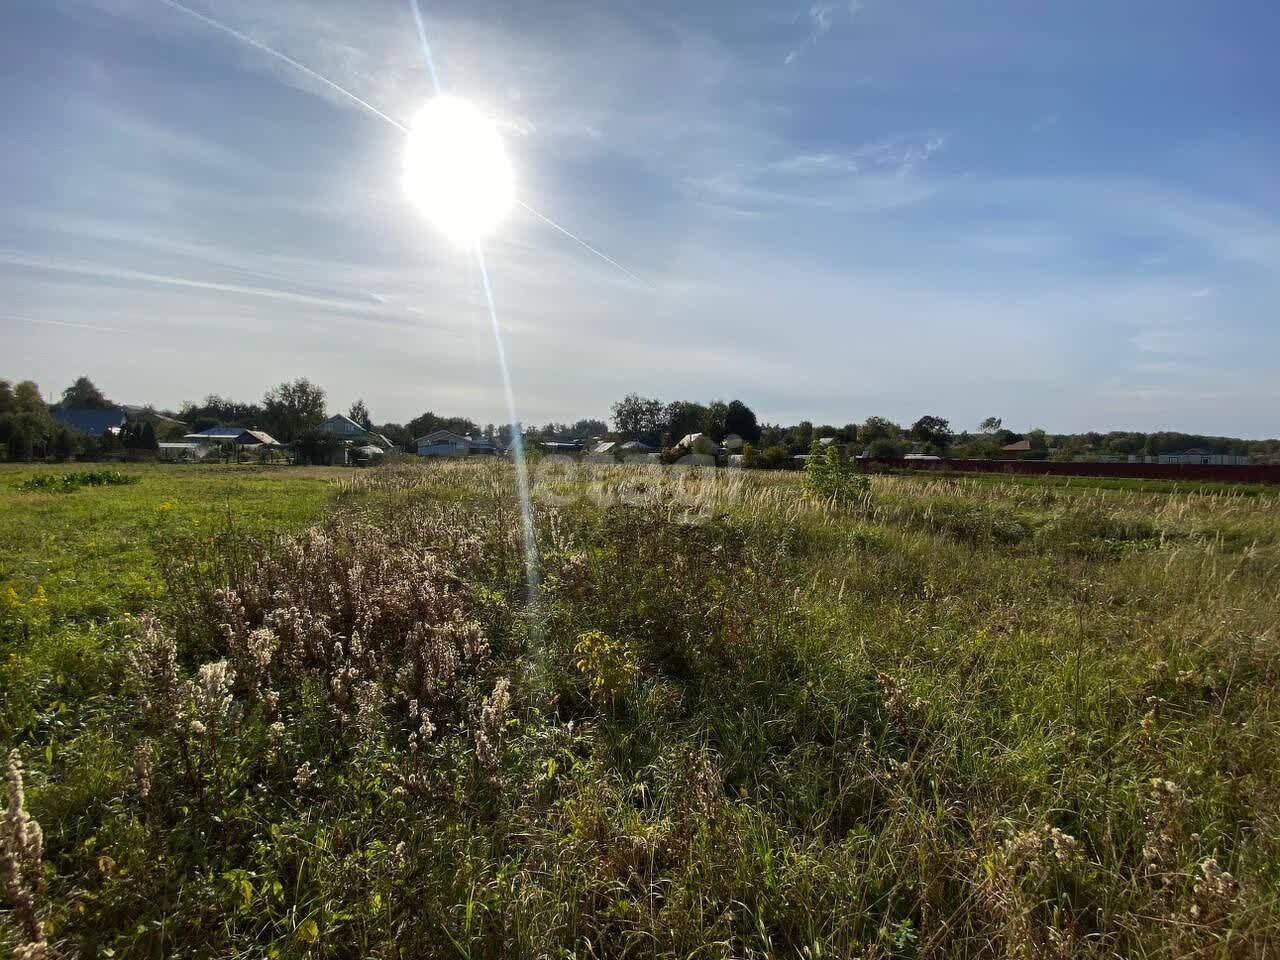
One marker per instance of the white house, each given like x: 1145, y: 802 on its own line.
x: 698, y: 443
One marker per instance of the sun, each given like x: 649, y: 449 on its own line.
x: 456, y: 170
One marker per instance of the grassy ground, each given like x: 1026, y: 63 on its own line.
x: 953, y: 718
x: 91, y: 550
x: 1128, y: 484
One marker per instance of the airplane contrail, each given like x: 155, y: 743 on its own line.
x: 62, y: 323
x: 577, y: 239
x: 365, y: 104
x: 259, y: 45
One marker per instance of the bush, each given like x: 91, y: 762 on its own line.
x: 316, y: 447
x: 66, y: 482
x: 829, y: 476
x: 776, y: 457
x: 885, y: 449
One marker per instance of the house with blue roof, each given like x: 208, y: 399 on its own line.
x: 92, y: 422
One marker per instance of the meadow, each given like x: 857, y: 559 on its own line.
x: 293, y: 712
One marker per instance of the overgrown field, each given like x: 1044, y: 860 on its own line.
x: 290, y: 715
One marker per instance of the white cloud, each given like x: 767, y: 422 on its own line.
x: 821, y: 19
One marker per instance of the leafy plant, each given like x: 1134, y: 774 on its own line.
x: 75, y: 479
x: 829, y: 476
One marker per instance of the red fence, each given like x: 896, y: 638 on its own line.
x: 1257, y: 473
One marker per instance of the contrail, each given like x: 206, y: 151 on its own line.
x: 259, y: 45
x: 426, y: 47
x: 62, y: 323
x: 577, y: 239
x: 365, y: 104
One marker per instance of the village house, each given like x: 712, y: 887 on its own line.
x: 95, y: 423
x: 344, y: 428
x: 446, y: 443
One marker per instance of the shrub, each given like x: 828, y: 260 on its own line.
x: 776, y: 457
x: 831, y: 477
x: 66, y: 482
x: 885, y: 448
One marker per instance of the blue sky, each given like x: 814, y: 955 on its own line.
x: 1064, y: 214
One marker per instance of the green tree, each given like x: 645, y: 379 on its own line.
x: 291, y: 409
x: 885, y: 448
x: 800, y: 437
x: 6, y: 397
x: 933, y: 432
x: 316, y: 447
x: 681, y: 418
x: 640, y: 418
x: 714, y: 425
x: 429, y: 422
x: 147, y: 437
x: 775, y: 457
x: 990, y: 425
x: 359, y: 412
x: 397, y: 434
x: 1039, y: 442
x: 29, y: 427
x: 64, y: 444
x: 216, y: 410
x: 83, y: 395
x: 741, y: 419
x: 878, y: 428
x: 18, y: 446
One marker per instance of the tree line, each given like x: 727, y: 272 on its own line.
x: 292, y: 411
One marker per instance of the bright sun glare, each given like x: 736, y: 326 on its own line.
x: 456, y: 170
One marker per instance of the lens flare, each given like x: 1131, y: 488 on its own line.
x: 456, y: 170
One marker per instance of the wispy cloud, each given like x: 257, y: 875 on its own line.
x: 100, y: 271
x: 898, y: 154
x: 821, y: 17
x: 45, y: 321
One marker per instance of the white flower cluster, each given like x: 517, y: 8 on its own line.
x: 21, y: 863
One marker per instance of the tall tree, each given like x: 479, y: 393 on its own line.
x: 216, y: 410
x: 639, y: 417
x: 799, y: 439
x: 359, y: 412
x: 878, y: 428
x: 28, y: 428
x: 6, y: 397
x: 291, y: 409
x: 682, y: 417
x: 991, y: 425
x: 933, y: 432
x: 83, y: 395
x: 27, y: 399
x: 717, y: 416
x: 740, y: 419
x: 430, y: 422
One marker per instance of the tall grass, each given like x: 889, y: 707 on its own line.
x: 940, y: 719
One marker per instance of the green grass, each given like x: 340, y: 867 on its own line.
x: 91, y: 550
x: 739, y: 722
x: 1126, y: 484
